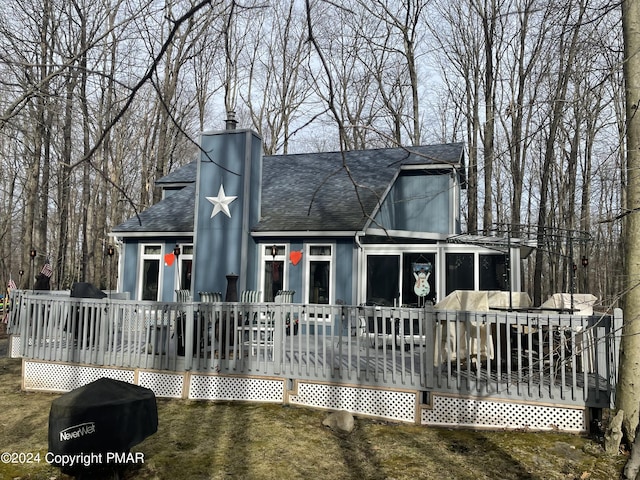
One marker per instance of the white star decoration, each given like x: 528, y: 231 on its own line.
x: 221, y: 203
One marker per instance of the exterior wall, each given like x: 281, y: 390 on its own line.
x: 295, y: 272
x: 344, y: 276
x: 419, y: 203
x: 131, y: 264
x: 349, y: 281
x: 129, y: 268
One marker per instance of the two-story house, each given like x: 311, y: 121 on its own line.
x: 352, y: 227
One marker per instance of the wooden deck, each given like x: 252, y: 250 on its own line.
x: 545, y: 358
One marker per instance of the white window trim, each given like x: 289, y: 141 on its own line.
x: 178, y: 270
x: 144, y: 256
x: 439, y: 265
x: 264, y: 258
x: 308, y: 258
x: 473, y: 253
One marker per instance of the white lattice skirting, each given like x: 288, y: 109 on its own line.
x: 485, y: 413
x: 14, y: 346
x: 217, y: 387
x: 384, y: 403
x: 57, y: 377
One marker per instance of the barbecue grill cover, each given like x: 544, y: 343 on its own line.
x: 103, y: 416
x: 86, y: 290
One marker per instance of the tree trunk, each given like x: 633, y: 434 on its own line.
x: 632, y: 467
x: 488, y: 14
x: 628, y: 390
x: 64, y: 187
x: 567, y: 53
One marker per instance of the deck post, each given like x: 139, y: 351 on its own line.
x: 428, y: 329
x: 189, y: 333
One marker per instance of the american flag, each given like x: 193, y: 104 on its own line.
x: 12, y: 285
x: 47, y: 271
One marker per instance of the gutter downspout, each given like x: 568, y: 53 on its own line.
x: 360, y: 264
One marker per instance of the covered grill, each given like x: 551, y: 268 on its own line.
x: 86, y: 290
x: 104, y: 416
x: 84, y: 317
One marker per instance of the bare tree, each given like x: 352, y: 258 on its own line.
x: 523, y: 58
x: 276, y: 72
x: 628, y: 390
x: 403, y: 21
x: 457, y: 34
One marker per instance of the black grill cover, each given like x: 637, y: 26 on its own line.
x: 103, y: 416
x: 86, y: 290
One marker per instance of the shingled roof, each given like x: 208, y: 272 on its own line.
x: 173, y: 214
x: 334, y: 191
x: 315, y: 192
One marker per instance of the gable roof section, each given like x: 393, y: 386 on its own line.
x: 330, y: 192
x: 174, y: 214
x: 310, y: 192
x: 180, y: 177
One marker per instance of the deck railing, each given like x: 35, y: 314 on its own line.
x: 538, y: 356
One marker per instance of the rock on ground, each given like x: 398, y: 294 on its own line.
x: 340, y: 421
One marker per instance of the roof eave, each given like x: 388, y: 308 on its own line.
x: 304, y: 233
x: 149, y: 234
x: 406, y: 234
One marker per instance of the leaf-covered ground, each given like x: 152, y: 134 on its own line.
x: 207, y: 440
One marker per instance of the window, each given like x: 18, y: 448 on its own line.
x: 383, y: 276
x: 460, y: 272
x: 150, y: 274
x: 493, y: 272
x: 401, y: 279
x: 273, y: 270
x: 418, y: 278
x: 319, y: 262
x: 185, y: 267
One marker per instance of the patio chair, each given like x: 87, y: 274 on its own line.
x: 210, y: 297
x: 359, y: 329
x: 183, y: 295
x: 286, y: 296
x: 214, y: 324
x: 251, y: 296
